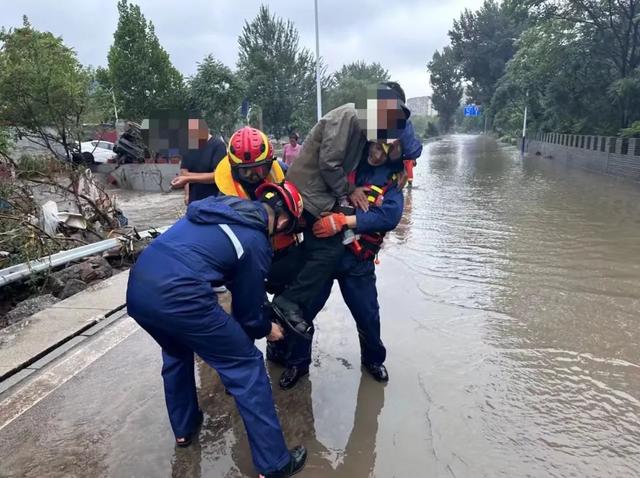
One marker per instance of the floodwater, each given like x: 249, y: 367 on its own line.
x: 147, y: 210
x: 510, y: 301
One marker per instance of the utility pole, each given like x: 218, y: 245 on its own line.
x: 524, y: 122
x: 318, y: 88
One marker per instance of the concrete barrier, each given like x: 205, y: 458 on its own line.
x: 600, y: 154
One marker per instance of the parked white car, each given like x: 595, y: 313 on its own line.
x: 102, y: 150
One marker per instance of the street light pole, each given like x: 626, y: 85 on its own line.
x: 524, y: 122
x: 318, y: 88
x: 115, y: 108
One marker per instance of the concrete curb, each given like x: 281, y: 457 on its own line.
x: 25, y: 343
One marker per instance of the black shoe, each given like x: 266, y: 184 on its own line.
x: 290, y: 377
x: 185, y: 441
x: 295, y: 465
x: 290, y: 315
x: 379, y: 372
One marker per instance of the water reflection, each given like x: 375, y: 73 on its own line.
x: 402, y: 233
x: 223, y: 450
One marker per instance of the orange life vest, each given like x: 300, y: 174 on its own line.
x: 367, y: 245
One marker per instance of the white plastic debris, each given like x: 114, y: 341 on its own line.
x: 73, y: 219
x: 49, y: 218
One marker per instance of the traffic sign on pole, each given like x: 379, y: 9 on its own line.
x: 471, y: 110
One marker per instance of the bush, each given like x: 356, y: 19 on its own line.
x: 431, y: 131
x: 35, y: 165
x: 631, y: 132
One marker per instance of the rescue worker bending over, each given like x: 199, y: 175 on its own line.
x: 221, y: 240
x: 377, y: 175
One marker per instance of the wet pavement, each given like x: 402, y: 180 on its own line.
x: 510, y: 303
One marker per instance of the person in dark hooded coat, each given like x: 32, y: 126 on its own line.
x: 220, y: 241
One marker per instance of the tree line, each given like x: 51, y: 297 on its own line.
x: 47, y: 94
x: 576, y: 63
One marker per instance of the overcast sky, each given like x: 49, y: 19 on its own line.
x: 400, y: 34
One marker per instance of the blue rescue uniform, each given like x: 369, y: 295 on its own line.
x: 219, y: 241
x: 357, y: 277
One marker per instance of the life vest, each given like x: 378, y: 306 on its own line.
x: 230, y: 187
x: 367, y: 246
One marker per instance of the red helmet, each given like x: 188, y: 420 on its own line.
x: 249, y: 147
x: 282, y: 197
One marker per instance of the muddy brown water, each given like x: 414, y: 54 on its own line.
x: 510, y: 307
x: 147, y: 210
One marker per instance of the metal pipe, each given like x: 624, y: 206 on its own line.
x: 20, y: 271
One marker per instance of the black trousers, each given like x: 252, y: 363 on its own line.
x: 284, y: 268
x: 313, y: 266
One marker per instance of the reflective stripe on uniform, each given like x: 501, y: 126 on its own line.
x: 233, y: 238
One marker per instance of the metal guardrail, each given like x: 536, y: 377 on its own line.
x: 603, y: 144
x: 20, y: 271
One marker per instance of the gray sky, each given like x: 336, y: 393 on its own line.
x: 400, y: 34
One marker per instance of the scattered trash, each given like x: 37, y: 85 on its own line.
x: 49, y: 217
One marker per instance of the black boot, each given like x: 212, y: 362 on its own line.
x: 290, y: 377
x: 295, y: 465
x: 378, y: 372
x: 290, y: 315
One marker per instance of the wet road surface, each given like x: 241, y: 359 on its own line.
x: 510, y: 303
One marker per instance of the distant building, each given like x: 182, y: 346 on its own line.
x: 421, y: 105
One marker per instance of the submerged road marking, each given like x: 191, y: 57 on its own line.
x: 59, y: 374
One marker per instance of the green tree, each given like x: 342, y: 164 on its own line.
x: 350, y: 83
x: 44, y: 89
x: 613, y: 33
x: 631, y: 132
x: 567, y: 88
x: 278, y: 73
x: 217, y: 92
x: 482, y: 43
x: 425, y: 126
x: 139, y: 69
x: 447, y: 89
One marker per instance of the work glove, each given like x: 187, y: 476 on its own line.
x: 330, y: 224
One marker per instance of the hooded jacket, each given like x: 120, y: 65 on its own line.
x: 330, y: 152
x: 174, y: 276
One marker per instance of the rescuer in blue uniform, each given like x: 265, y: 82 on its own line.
x: 220, y: 241
x: 377, y: 176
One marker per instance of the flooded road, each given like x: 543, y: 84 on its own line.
x: 510, y: 303
x: 146, y: 210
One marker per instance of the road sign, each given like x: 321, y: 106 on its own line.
x: 244, y: 108
x: 471, y: 110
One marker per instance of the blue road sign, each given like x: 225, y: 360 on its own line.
x: 244, y: 109
x: 471, y: 110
